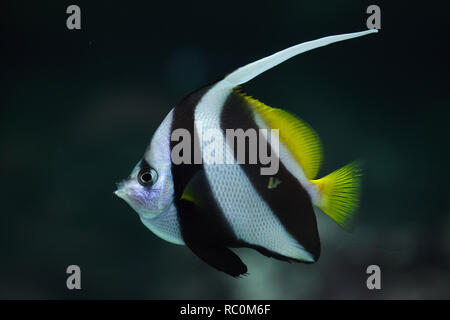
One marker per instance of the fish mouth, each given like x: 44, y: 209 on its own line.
x: 121, y: 192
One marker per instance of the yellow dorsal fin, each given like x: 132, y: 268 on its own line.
x: 301, y: 140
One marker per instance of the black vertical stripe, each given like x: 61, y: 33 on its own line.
x: 289, y: 201
x: 207, y: 223
x: 183, y: 118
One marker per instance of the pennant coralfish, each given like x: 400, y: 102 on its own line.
x: 212, y: 207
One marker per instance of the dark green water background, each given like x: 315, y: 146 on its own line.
x: 80, y: 107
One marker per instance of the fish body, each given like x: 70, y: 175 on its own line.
x: 212, y: 206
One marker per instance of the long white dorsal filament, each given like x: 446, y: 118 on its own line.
x: 252, y: 70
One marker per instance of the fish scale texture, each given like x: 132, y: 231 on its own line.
x: 165, y: 226
x: 248, y: 214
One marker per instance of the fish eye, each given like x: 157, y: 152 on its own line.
x: 147, y: 177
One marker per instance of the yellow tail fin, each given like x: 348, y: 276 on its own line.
x: 339, y: 194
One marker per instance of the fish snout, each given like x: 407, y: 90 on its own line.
x: 121, y: 190
x: 120, y: 184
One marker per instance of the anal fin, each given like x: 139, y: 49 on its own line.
x: 207, y: 240
x: 221, y: 258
